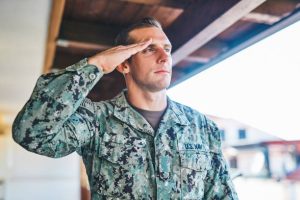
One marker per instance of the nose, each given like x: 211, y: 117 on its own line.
x: 163, y: 56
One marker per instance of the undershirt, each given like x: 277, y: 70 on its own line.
x: 153, y: 117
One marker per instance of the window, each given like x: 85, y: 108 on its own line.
x: 242, y: 134
x: 233, y: 162
x: 222, y: 133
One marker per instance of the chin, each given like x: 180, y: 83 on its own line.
x: 159, y: 86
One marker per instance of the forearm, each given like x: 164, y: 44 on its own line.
x: 44, y: 121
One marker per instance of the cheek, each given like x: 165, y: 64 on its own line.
x: 137, y: 69
x: 137, y: 61
x: 142, y: 66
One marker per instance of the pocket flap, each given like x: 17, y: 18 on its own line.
x: 122, y: 150
x: 195, y: 160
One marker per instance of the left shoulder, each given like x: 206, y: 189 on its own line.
x: 209, y: 129
x: 194, y: 116
x: 190, y: 113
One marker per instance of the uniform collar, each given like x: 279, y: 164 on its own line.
x: 175, y: 113
x: 124, y: 112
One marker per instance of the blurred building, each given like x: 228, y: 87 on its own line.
x: 254, y: 153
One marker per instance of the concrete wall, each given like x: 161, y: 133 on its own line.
x: 27, y: 176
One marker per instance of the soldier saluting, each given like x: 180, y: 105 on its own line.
x: 138, y: 145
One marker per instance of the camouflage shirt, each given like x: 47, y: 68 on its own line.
x: 124, y: 157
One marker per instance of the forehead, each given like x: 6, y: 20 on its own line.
x: 142, y: 34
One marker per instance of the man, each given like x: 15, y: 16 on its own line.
x: 139, y: 145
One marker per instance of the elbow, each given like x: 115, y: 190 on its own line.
x: 32, y: 140
x: 17, y: 133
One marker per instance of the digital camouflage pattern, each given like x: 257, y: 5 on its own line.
x: 124, y: 157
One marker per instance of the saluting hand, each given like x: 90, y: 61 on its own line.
x: 108, y: 60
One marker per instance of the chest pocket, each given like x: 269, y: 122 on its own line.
x: 193, y: 170
x: 118, y: 149
x: 123, y: 167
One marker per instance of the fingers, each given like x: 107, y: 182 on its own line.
x: 139, y: 47
x: 143, y: 44
x: 146, y: 43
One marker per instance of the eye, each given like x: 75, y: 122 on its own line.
x: 168, y: 50
x: 149, y: 49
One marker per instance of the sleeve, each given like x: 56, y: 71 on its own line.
x: 58, y: 119
x: 218, y: 182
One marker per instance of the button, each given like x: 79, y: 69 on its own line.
x: 140, y: 143
x: 92, y: 76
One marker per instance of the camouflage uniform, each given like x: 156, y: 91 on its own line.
x: 124, y: 157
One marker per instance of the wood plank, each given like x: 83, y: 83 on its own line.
x: 194, y: 19
x: 211, y: 49
x: 167, y: 3
x: 166, y: 16
x: 271, y: 12
x: 237, y: 30
x: 89, y: 32
x: 254, y: 37
x: 207, y: 52
x: 141, y: 12
x: 81, y: 45
x: 213, y: 23
x: 277, y: 7
x: 261, y: 18
x: 53, y: 30
x: 197, y: 59
x: 120, y: 12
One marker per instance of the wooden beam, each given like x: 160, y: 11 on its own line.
x: 207, y: 52
x: 86, y: 32
x: 271, y: 12
x: 210, y: 49
x: 195, y: 18
x: 261, y: 18
x: 285, y: 22
x: 280, y: 8
x: 210, y: 24
x: 81, y: 45
x: 53, y: 30
x: 197, y: 59
x: 167, y: 3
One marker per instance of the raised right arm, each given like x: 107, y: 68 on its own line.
x: 58, y: 119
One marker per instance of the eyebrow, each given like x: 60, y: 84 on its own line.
x: 165, y: 45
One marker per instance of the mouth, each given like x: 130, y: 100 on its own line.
x: 162, y: 71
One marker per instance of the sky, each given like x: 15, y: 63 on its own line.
x: 259, y: 86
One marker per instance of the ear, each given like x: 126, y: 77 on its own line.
x: 123, y: 67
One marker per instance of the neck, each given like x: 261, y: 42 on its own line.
x: 152, y: 101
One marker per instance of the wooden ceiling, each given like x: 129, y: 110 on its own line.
x: 202, y: 32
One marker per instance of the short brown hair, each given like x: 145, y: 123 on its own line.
x: 123, y: 37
